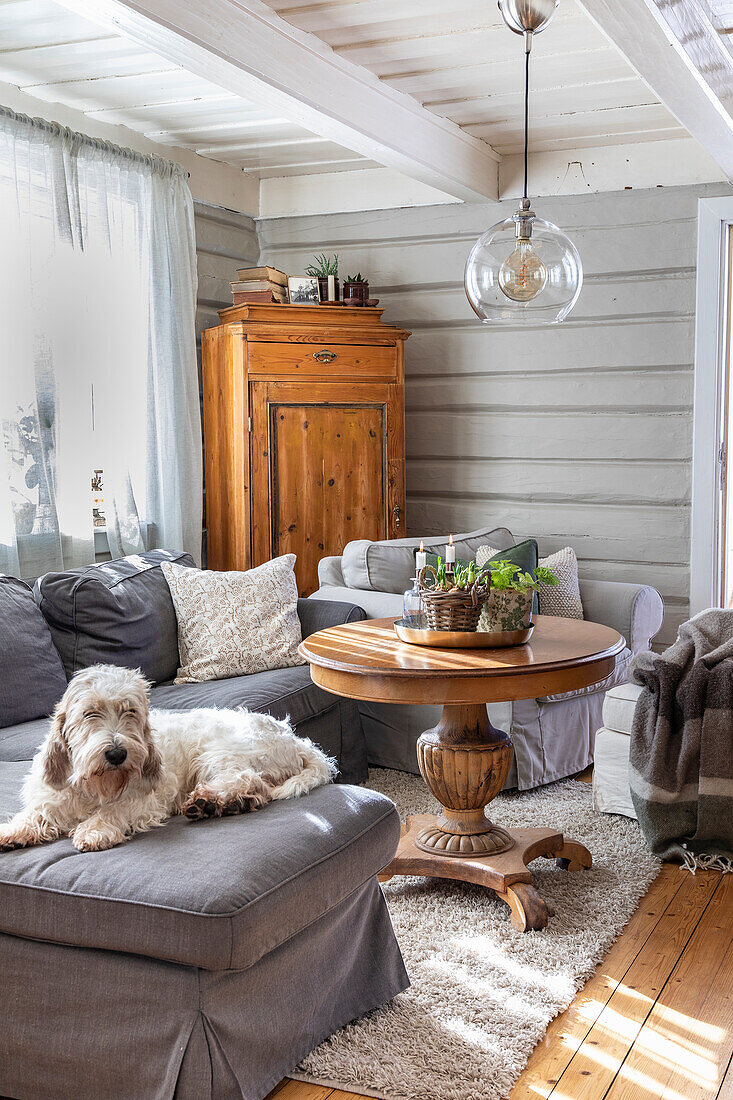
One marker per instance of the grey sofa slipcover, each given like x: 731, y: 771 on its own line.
x: 553, y: 736
x: 198, y: 961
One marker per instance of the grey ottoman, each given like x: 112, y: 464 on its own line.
x: 198, y: 960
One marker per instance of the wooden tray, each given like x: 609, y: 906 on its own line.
x: 462, y: 639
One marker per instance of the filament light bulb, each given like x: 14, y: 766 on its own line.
x: 522, y: 276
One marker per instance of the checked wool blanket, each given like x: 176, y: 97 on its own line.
x: 681, y: 753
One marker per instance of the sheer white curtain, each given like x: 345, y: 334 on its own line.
x: 98, y: 370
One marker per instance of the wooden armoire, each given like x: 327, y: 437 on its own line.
x: 304, y: 434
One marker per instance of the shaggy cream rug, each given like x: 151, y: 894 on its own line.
x: 482, y: 994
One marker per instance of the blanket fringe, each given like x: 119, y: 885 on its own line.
x: 693, y: 863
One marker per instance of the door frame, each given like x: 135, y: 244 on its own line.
x: 715, y: 223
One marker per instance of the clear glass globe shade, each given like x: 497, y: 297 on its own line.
x: 522, y: 275
x: 555, y: 252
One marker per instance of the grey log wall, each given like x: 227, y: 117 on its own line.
x: 578, y: 434
x: 225, y: 240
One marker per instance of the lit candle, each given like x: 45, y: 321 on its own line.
x: 450, y: 552
x: 421, y: 558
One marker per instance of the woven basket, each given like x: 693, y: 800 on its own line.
x: 452, y: 610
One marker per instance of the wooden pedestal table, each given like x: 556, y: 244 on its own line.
x: 464, y: 759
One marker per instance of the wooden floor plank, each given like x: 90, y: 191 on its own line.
x: 568, y: 1030
x: 726, y: 1088
x: 595, y: 1064
x: 685, y: 1045
x: 300, y: 1090
x: 337, y: 1094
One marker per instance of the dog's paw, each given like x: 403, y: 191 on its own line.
x: 96, y: 837
x: 202, y: 802
x: 11, y: 841
x: 242, y: 804
x: 17, y: 836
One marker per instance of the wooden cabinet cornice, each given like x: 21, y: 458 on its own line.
x: 304, y: 434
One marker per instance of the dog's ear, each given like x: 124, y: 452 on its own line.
x: 56, y: 761
x: 153, y: 762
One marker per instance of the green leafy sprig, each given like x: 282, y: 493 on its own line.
x: 356, y: 278
x: 323, y: 266
x: 503, y: 576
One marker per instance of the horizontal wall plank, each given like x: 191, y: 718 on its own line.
x: 594, y: 481
x: 632, y: 390
x: 218, y: 235
x: 570, y: 435
x: 670, y: 579
x: 590, y: 346
x: 662, y: 296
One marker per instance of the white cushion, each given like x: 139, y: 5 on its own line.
x: 563, y: 598
x: 619, y: 706
x: 232, y: 624
x: 611, y: 793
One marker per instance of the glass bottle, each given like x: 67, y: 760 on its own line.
x: 413, y: 613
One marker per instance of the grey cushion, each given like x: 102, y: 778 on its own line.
x: 218, y: 894
x: 32, y: 676
x: 118, y: 613
x: 20, y: 742
x: 389, y: 566
x: 320, y: 614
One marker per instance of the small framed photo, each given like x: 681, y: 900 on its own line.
x: 303, y: 290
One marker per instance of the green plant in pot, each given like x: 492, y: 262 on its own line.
x: 356, y: 290
x: 508, y: 605
x: 326, y: 270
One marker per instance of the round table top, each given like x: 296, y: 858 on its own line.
x: 366, y: 660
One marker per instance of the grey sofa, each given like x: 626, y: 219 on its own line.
x: 553, y: 737
x: 197, y: 961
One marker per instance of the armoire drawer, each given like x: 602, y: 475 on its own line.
x: 321, y: 360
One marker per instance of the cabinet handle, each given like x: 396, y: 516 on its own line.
x: 325, y: 356
x: 396, y: 514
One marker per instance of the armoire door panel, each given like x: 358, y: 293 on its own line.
x: 328, y: 481
x: 322, y: 477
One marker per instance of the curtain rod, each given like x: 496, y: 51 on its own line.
x: 161, y: 165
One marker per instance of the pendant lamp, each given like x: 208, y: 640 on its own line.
x: 524, y: 269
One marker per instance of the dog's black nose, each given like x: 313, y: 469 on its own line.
x: 116, y: 755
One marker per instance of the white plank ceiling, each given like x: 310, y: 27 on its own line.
x: 459, y: 61
x: 57, y: 56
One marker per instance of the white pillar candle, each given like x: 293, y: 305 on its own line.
x: 331, y: 288
x: 421, y: 558
x: 450, y: 552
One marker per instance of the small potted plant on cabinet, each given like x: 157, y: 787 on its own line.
x: 356, y: 290
x: 326, y: 270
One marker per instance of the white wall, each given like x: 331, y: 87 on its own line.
x: 579, y: 433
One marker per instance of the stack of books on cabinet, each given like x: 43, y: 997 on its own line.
x: 259, y: 284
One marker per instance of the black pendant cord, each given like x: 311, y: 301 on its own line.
x: 526, y: 114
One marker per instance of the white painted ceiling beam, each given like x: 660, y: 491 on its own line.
x: 677, y: 51
x: 245, y: 48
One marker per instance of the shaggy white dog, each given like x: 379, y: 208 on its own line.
x: 110, y: 767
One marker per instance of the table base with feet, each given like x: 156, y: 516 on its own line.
x: 506, y: 874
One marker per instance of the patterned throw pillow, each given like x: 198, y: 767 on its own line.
x: 563, y: 598
x: 232, y: 624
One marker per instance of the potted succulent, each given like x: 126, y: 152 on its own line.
x: 356, y: 290
x: 508, y: 605
x: 326, y: 270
